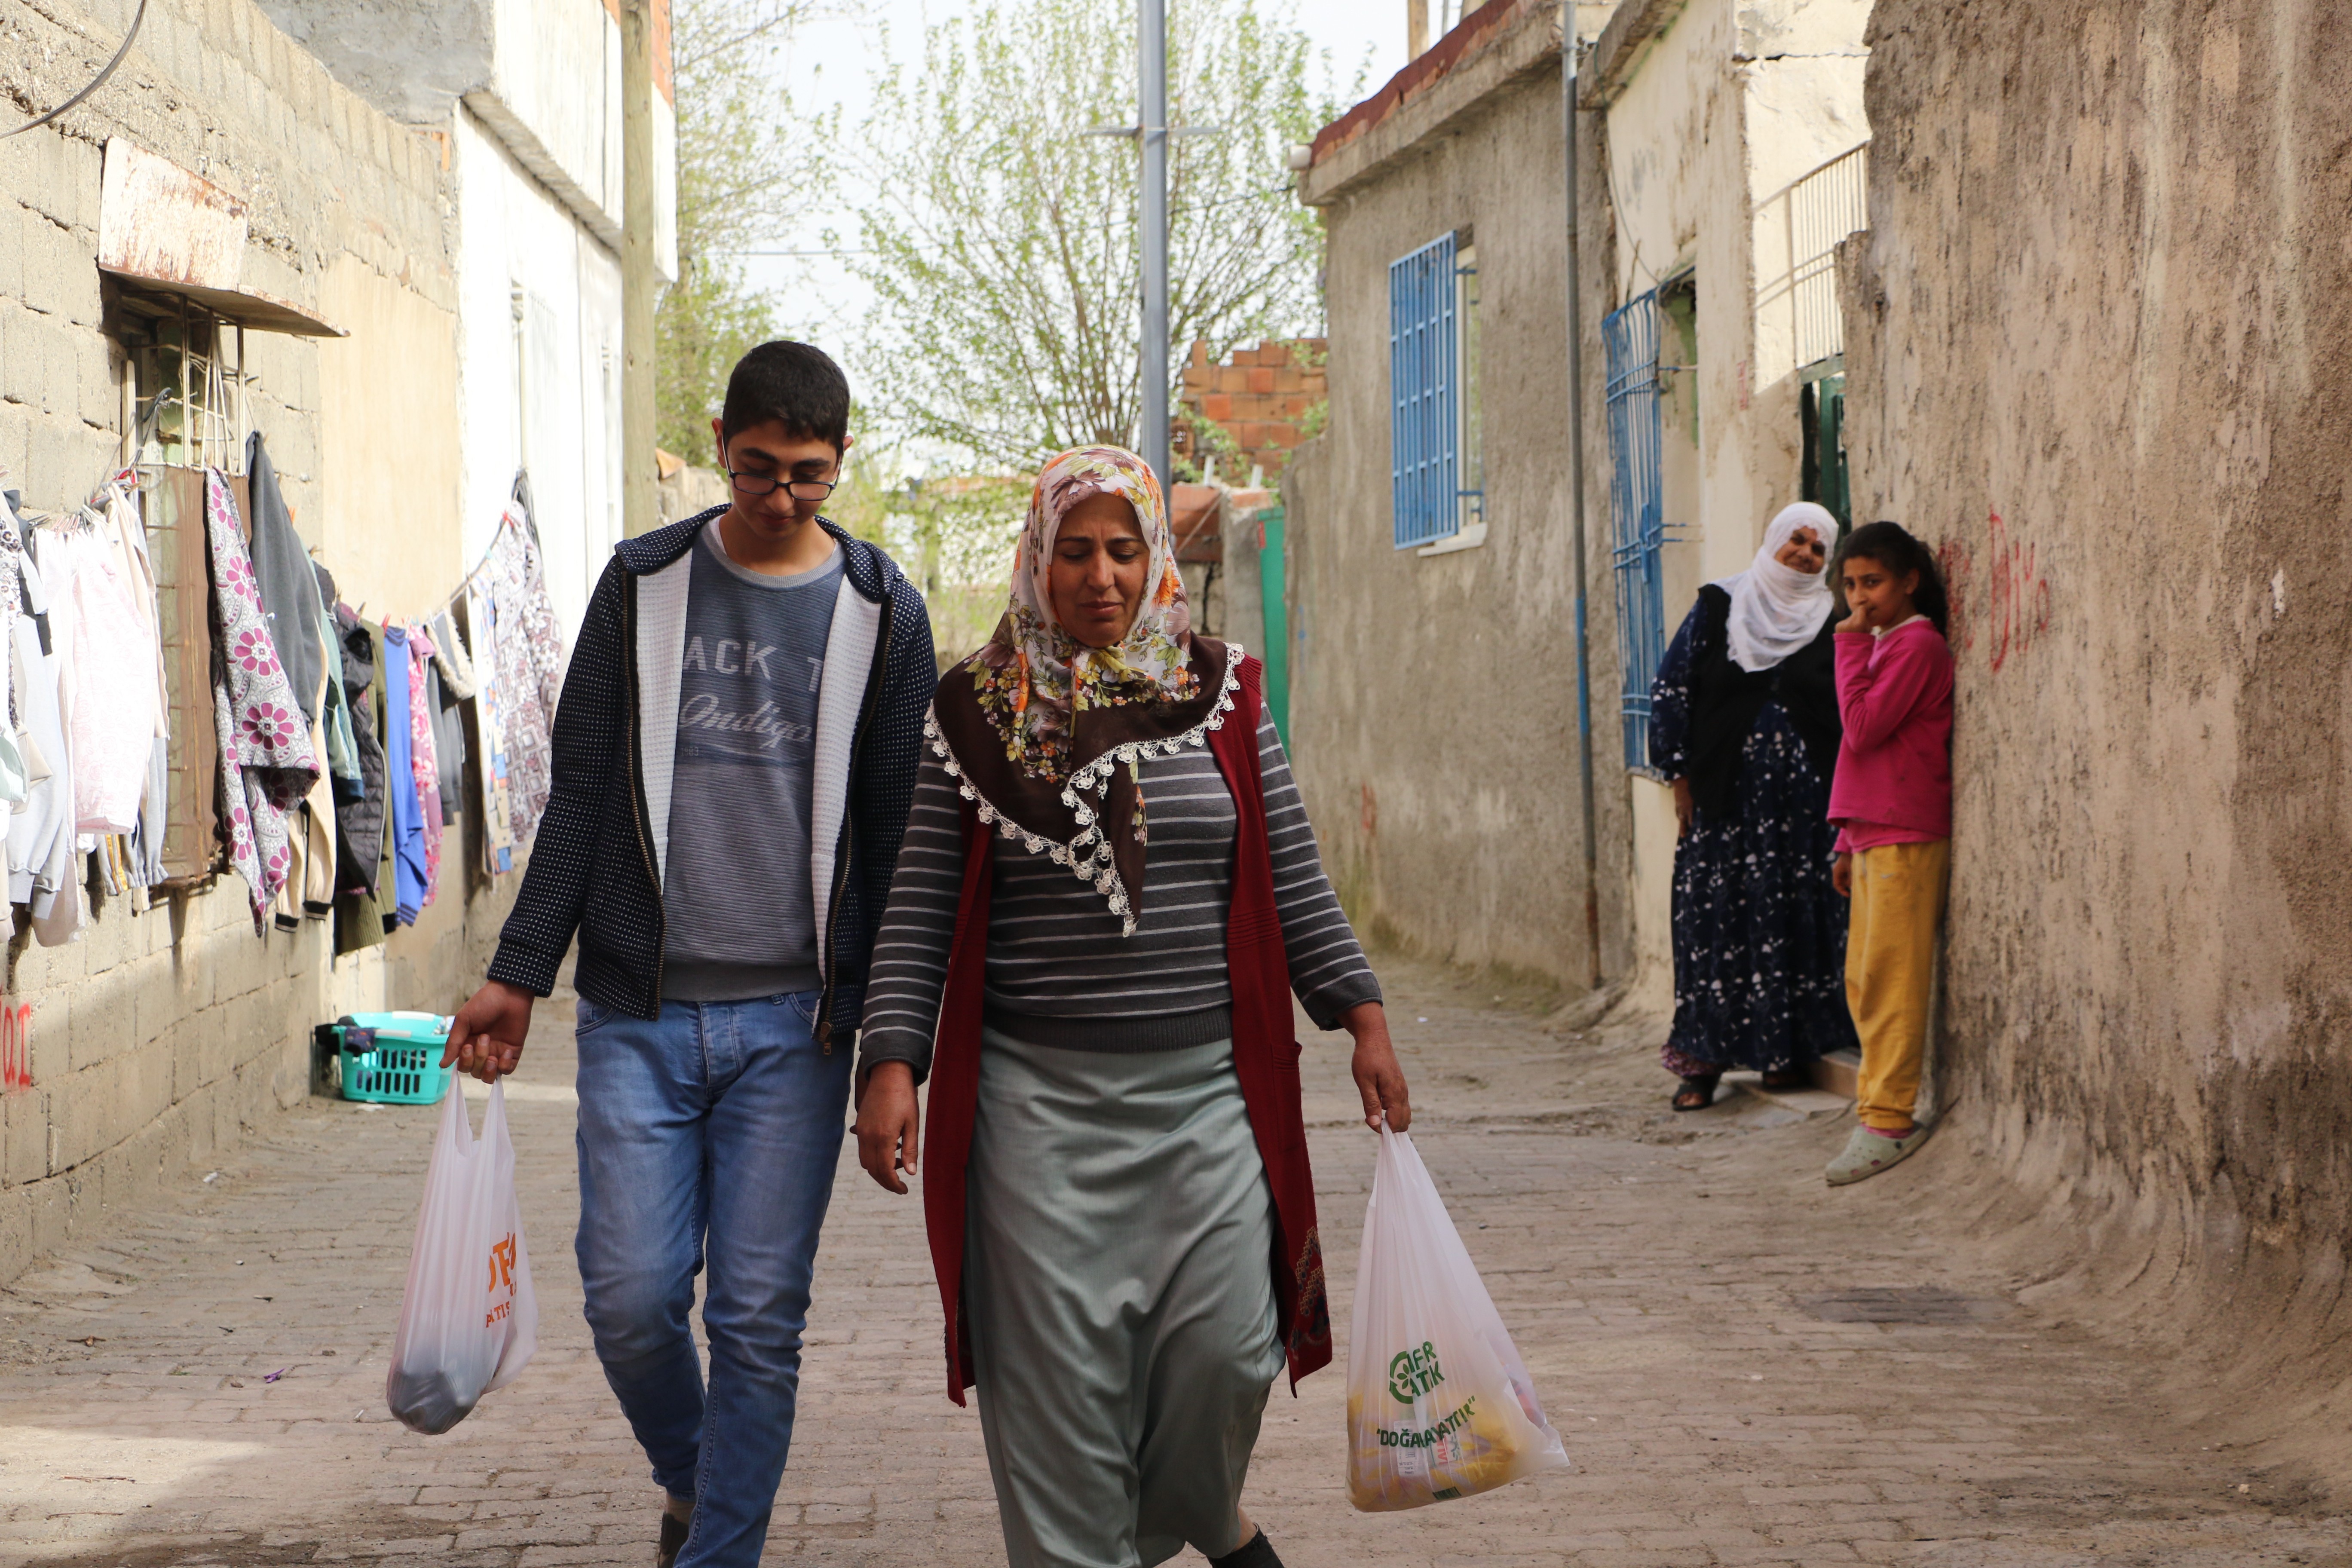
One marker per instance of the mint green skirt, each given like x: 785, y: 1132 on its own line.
x: 1118, y: 1238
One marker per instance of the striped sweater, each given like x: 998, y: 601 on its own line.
x: 1058, y: 972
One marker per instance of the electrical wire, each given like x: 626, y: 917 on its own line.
x: 95, y: 82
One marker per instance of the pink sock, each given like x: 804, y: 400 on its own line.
x: 1885, y: 1132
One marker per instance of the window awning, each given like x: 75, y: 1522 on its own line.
x: 163, y: 230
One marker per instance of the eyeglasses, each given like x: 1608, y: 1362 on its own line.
x: 748, y: 484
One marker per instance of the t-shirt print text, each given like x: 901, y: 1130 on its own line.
x: 728, y: 711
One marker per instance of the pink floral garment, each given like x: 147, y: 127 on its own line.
x: 529, y: 669
x: 423, y: 762
x: 266, y: 763
x: 489, y: 733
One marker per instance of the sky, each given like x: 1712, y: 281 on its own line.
x: 831, y: 62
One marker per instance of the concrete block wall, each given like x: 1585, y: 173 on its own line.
x: 159, y: 1038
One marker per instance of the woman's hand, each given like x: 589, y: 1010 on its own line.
x: 1378, y: 1078
x: 889, y: 1124
x: 1841, y: 875
x: 1683, y: 809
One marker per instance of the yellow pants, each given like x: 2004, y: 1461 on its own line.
x: 1890, y: 961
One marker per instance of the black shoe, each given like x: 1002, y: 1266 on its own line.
x: 1256, y: 1553
x: 1697, y: 1093
x: 673, y: 1539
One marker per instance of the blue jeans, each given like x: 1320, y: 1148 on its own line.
x: 720, y: 1119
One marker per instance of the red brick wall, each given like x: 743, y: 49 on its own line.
x: 1258, y: 398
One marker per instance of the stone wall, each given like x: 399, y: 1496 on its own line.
x: 2095, y: 338
x: 157, y: 1036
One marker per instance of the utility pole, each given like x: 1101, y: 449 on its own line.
x: 1152, y: 132
x: 640, y: 498
x: 1151, y: 135
x: 1575, y: 495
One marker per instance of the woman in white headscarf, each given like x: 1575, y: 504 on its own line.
x: 1744, y: 723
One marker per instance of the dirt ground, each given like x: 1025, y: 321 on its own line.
x: 1746, y: 1365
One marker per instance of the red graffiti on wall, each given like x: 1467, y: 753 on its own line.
x: 15, y: 1047
x: 2015, y: 597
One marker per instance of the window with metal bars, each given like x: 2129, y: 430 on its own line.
x: 1434, y: 457
x: 1636, y: 512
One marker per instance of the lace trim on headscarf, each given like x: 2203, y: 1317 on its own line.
x: 1088, y: 855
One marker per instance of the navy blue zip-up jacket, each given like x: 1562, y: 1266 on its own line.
x: 592, y: 868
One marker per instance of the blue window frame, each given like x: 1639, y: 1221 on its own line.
x: 1426, y: 368
x: 1636, y: 517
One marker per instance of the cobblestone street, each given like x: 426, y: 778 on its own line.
x: 205, y: 1384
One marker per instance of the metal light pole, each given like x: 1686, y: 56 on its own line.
x: 1152, y: 132
x: 1151, y: 135
x: 640, y: 288
x: 1576, y: 495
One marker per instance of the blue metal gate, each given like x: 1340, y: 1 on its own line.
x: 1636, y: 517
x: 1425, y: 418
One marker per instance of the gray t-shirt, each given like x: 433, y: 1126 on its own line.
x: 741, y: 916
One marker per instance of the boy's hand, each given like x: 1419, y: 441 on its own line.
x: 1841, y: 875
x: 889, y: 1124
x: 1683, y: 809
x: 486, y: 1035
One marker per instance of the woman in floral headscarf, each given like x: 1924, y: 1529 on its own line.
x: 1107, y: 896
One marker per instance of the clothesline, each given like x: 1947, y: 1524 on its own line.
x: 506, y: 520
x: 286, y: 805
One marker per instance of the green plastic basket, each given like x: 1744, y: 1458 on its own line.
x: 397, y: 1058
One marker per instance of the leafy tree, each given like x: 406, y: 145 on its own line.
x: 1001, y: 242
x: 748, y: 169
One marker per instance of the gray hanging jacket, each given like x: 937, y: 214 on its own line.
x: 290, y: 591
x: 342, y: 751
x: 359, y: 824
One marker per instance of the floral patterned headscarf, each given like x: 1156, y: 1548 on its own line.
x: 1035, y: 676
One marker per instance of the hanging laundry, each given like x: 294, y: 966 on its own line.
x: 126, y: 530
x: 15, y: 780
x: 490, y: 735
x: 283, y: 578
x: 359, y: 822
x: 111, y: 676
x: 530, y: 667
x: 266, y: 763
x: 310, y: 890
x: 425, y: 763
x: 127, y: 523
x: 41, y: 858
x: 450, y: 689
x: 365, y: 901
x: 412, y: 877
x: 342, y: 748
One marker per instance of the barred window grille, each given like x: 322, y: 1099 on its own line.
x: 1427, y: 376
x: 1636, y: 517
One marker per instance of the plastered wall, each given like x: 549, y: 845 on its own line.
x: 2097, y: 335
x: 1716, y: 110
x: 158, y: 1038
x: 1433, y: 709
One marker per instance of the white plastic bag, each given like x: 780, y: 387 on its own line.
x: 468, y: 1321
x: 1439, y: 1404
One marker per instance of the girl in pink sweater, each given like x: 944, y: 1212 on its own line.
x: 1892, y: 801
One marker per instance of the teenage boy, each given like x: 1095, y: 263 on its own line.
x: 734, y: 756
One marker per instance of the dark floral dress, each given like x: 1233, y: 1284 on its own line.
x: 1758, y: 929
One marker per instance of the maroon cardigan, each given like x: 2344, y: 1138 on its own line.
x: 1266, y: 1059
